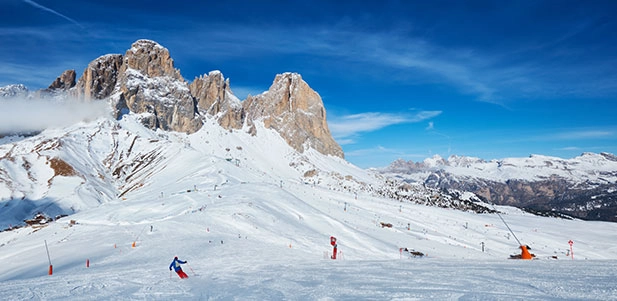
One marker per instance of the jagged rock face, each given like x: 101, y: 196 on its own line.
x: 214, y: 97
x: 296, y: 111
x: 99, y: 78
x: 144, y: 81
x: 149, y: 85
x: 64, y: 82
x: 150, y: 59
x: 59, y: 87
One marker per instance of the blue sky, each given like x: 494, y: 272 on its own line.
x: 399, y: 79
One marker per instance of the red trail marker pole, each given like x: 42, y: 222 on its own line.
x: 333, y: 243
x: 51, y: 268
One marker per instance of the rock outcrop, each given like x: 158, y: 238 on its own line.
x: 151, y: 59
x: 64, y: 82
x: 59, y: 87
x: 296, y: 111
x: 214, y: 98
x: 99, y: 79
x: 150, y: 85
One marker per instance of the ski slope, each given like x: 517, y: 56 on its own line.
x: 252, y: 227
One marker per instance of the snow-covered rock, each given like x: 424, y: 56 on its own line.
x: 12, y: 91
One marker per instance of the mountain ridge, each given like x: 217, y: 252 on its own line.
x: 582, y: 187
x: 144, y: 81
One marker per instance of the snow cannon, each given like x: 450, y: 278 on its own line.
x: 525, y: 253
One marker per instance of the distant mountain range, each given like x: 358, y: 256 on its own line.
x: 584, y: 187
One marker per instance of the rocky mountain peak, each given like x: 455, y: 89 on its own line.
x: 59, y: 87
x: 64, y: 82
x: 296, y: 111
x: 148, y: 84
x: 151, y: 59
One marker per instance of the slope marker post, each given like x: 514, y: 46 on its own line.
x: 51, y: 268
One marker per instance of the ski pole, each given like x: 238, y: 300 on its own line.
x: 169, y: 274
x: 195, y: 274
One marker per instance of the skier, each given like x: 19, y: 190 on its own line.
x: 176, y: 265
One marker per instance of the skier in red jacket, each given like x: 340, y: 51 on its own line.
x: 176, y: 265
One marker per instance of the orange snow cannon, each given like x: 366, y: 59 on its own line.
x: 525, y: 253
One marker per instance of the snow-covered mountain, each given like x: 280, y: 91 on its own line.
x: 143, y: 86
x: 15, y: 90
x: 227, y: 185
x: 585, y: 186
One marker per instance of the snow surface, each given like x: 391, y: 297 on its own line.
x: 253, y: 228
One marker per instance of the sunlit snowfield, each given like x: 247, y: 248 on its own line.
x: 258, y: 279
x: 258, y: 231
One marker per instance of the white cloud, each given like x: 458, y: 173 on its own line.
x: 570, y: 148
x: 24, y: 115
x: 350, y: 125
x: 389, y: 51
x: 364, y: 122
x: 582, y: 134
x: 47, y: 9
x: 371, y: 152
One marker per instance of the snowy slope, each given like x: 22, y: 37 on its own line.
x: 240, y: 209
